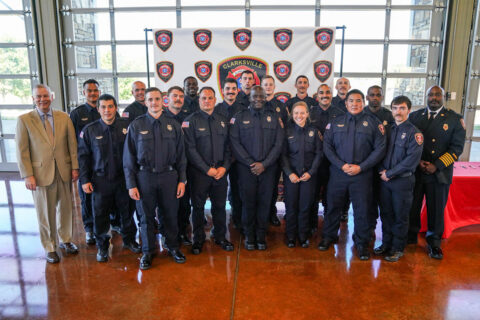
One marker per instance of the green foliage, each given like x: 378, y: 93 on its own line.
x: 14, y: 61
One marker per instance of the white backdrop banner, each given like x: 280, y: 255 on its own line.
x: 212, y: 55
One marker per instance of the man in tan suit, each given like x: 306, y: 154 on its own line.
x: 47, y: 159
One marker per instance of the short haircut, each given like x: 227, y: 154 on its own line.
x: 324, y: 85
x: 401, y: 99
x: 106, y: 97
x: 152, y: 89
x: 267, y: 77
x: 300, y: 103
x: 91, y: 81
x: 375, y: 87
x: 247, y: 72
x: 230, y: 80
x: 174, y: 88
x: 355, y: 91
x: 189, y: 77
x: 41, y: 86
x: 301, y: 76
x: 206, y: 88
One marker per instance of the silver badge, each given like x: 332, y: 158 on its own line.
x: 124, y: 130
x: 404, y: 135
x: 169, y: 127
x: 223, y: 124
x: 269, y: 119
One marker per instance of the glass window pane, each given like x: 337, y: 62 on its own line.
x: 410, y: 24
x: 106, y: 86
x: 361, y: 83
x: 360, y: 24
x: 353, y: 2
x: 414, y: 88
x: 131, y: 25
x: 14, y: 61
x: 91, y: 26
x: 475, y: 151
x: 10, y: 150
x: 215, y: 3
x: 9, y: 119
x: 478, y: 95
x: 144, y: 3
x: 412, y: 2
x: 285, y: 18
x: 12, y: 28
x: 359, y: 58
x: 5, y: 224
x: 90, y: 3
x: 131, y: 58
x: 213, y: 19
x: 125, y: 88
x: 282, y: 2
x: 476, y: 124
x: 15, y: 91
x: 94, y: 58
x: 407, y: 58
x: 11, y: 5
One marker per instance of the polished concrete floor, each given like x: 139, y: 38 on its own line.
x: 279, y: 283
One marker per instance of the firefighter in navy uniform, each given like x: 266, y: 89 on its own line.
x: 247, y: 81
x: 275, y: 105
x: 101, y: 175
x: 155, y: 172
x: 444, y: 134
x: 209, y: 156
x: 301, y: 84
x: 397, y: 174
x: 190, y: 89
x: 228, y: 108
x: 81, y: 116
x: 301, y: 157
x: 256, y: 137
x: 354, y: 143
x: 320, y: 115
x: 342, y: 86
x: 136, y: 108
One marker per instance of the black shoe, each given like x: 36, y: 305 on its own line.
x: 197, y: 247
x: 291, y: 243
x: 146, y: 261
x: 435, y: 252
x: 249, y: 245
x: 178, y: 256
x: 133, y: 246
x: 381, y: 250
x: 90, y: 238
x: 344, y: 217
x: 52, y: 257
x: 274, y: 221
x: 69, y: 247
x: 183, y: 239
x: 363, y: 253
x: 394, y: 256
x: 304, y: 243
x: 116, y: 229
x: 226, y: 245
x: 102, y: 255
x: 324, y: 244
x: 261, y: 245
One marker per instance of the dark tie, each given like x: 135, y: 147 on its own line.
x: 350, y: 147
x: 213, y: 140
x: 157, y: 137
x: 112, y: 167
x: 258, y: 142
x: 301, y: 151
x: 391, y: 145
x: 431, y: 118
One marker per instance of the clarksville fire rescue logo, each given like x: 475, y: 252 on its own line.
x: 202, y: 38
x: 323, y: 38
x: 282, y: 96
x: 234, y: 66
x: 203, y: 70
x: 242, y: 38
x: 164, y: 39
x: 165, y: 70
x: 322, y: 70
x: 283, y: 38
x: 282, y: 70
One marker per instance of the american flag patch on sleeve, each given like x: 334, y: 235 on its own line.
x: 185, y: 124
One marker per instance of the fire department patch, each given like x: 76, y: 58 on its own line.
x: 419, y: 138
x: 164, y: 39
x: 202, y: 38
x: 283, y: 38
x: 242, y: 38
x: 323, y: 38
x: 165, y: 70
x: 322, y: 70
x: 282, y: 70
x: 203, y: 70
x: 234, y: 66
x: 282, y: 96
x: 382, y: 129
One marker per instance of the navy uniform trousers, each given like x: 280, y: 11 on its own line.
x: 299, y: 198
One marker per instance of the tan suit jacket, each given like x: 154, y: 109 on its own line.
x: 37, y: 156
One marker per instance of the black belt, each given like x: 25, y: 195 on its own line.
x: 153, y: 170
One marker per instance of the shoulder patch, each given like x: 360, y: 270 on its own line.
x: 232, y: 121
x: 125, y: 114
x: 81, y: 134
x: 328, y: 126
x: 185, y: 124
x: 419, y: 138
x: 382, y: 129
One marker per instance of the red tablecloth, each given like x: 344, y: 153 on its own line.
x: 463, y: 205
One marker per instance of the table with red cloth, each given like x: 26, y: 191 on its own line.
x: 463, y: 204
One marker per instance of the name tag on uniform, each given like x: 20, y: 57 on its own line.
x: 99, y: 137
x: 84, y: 119
x: 291, y: 137
x: 246, y: 121
x: 144, y: 132
x: 201, y: 129
x: 340, y: 125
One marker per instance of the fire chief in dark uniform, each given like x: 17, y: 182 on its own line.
x: 444, y: 133
x: 256, y: 136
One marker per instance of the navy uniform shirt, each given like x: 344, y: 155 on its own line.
x: 278, y: 107
x: 206, y: 141
x: 319, y: 118
x: 404, y: 149
x: 228, y: 111
x: 256, y: 136
x: 365, y: 147
x: 100, y: 149
x: 339, y: 103
x: 444, y: 139
x: 190, y: 104
x: 243, y: 99
x: 179, y: 117
x: 154, y: 145
x: 384, y: 115
x: 302, y: 150
x: 308, y: 100
x: 83, y: 115
x: 133, y: 110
